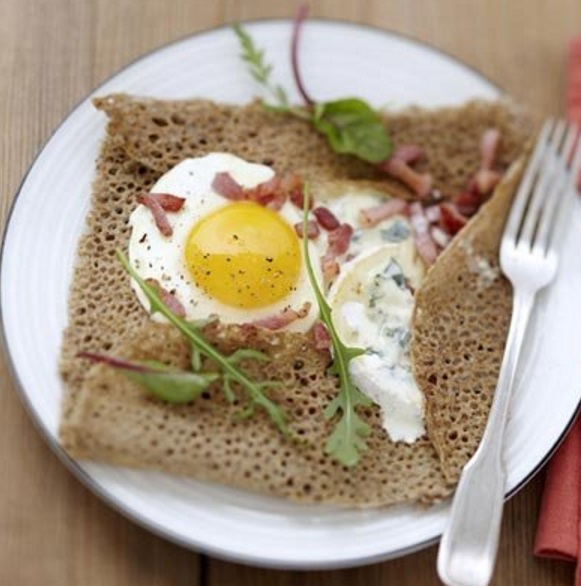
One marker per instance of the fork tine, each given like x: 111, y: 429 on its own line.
x: 556, y: 195
x: 559, y: 230
x: 547, y: 174
x: 522, y: 195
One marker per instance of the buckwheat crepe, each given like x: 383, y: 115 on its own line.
x: 106, y: 417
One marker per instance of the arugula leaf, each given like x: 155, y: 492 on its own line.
x: 353, y: 127
x: 347, y: 440
x: 259, y: 69
x: 350, y: 125
x: 227, y: 364
x: 162, y: 381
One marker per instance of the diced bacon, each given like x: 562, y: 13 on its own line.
x: 441, y: 238
x: 312, y: 229
x: 326, y: 218
x: 338, y: 243
x: 489, y: 148
x: 408, y: 153
x: 263, y: 190
x: 425, y: 246
x: 169, y: 202
x: 339, y: 239
x: 284, y: 318
x: 467, y: 202
x: 322, y: 337
x: 271, y: 194
x: 329, y: 266
x: 268, y: 194
x: 275, y: 202
x: 451, y: 221
x: 433, y: 214
x: 293, y: 188
x: 168, y: 299
x: 372, y: 216
x: 486, y: 180
x: 159, y: 215
x: 419, y: 183
x: 227, y: 186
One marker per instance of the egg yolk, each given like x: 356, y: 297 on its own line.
x: 244, y: 255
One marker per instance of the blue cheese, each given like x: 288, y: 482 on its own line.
x: 372, y: 304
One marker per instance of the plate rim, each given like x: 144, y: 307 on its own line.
x: 83, y: 476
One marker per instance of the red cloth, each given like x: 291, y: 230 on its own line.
x: 559, y: 524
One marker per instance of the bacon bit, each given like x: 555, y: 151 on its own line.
x: 159, y: 215
x: 467, y: 202
x: 329, y: 266
x: 326, y: 218
x: 408, y: 153
x: 284, y: 318
x: 169, y: 202
x: 293, y: 187
x: 276, y: 203
x: 451, y: 221
x: 433, y: 214
x: 489, y: 147
x: 441, y: 238
x: 486, y: 180
x: 425, y: 246
x: 227, y: 186
x: 312, y: 229
x: 339, y: 239
x: 267, y: 194
x: 322, y: 337
x: 419, y: 183
x: 271, y: 194
x: 168, y: 299
x: 372, y: 216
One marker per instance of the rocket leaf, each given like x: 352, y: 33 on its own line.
x: 178, y: 386
x: 162, y: 381
x: 347, y: 440
x: 350, y: 125
x: 353, y: 127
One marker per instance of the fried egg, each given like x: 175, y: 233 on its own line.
x: 236, y: 260
x: 242, y: 262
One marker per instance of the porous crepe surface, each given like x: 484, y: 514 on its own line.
x: 459, y: 329
x: 159, y: 134
x: 117, y: 422
x: 102, y: 308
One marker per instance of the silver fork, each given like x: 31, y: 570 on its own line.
x: 529, y: 256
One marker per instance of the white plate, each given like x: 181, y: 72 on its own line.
x: 39, y: 250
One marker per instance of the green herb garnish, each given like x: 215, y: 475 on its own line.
x: 347, y: 440
x: 259, y: 69
x: 353, y: 127
x: 166, y: 382
x: 350, y: 125
x: 162, y: 381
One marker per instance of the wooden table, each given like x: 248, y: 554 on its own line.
x: 53, y: 531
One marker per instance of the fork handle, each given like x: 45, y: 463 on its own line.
x: 470, y: 541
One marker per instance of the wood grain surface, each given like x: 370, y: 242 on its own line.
x: 53, y: 531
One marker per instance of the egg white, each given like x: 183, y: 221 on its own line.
x: 159, y: 257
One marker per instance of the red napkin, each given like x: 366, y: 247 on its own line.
x: 573, y: 97
x: 559, y: 525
